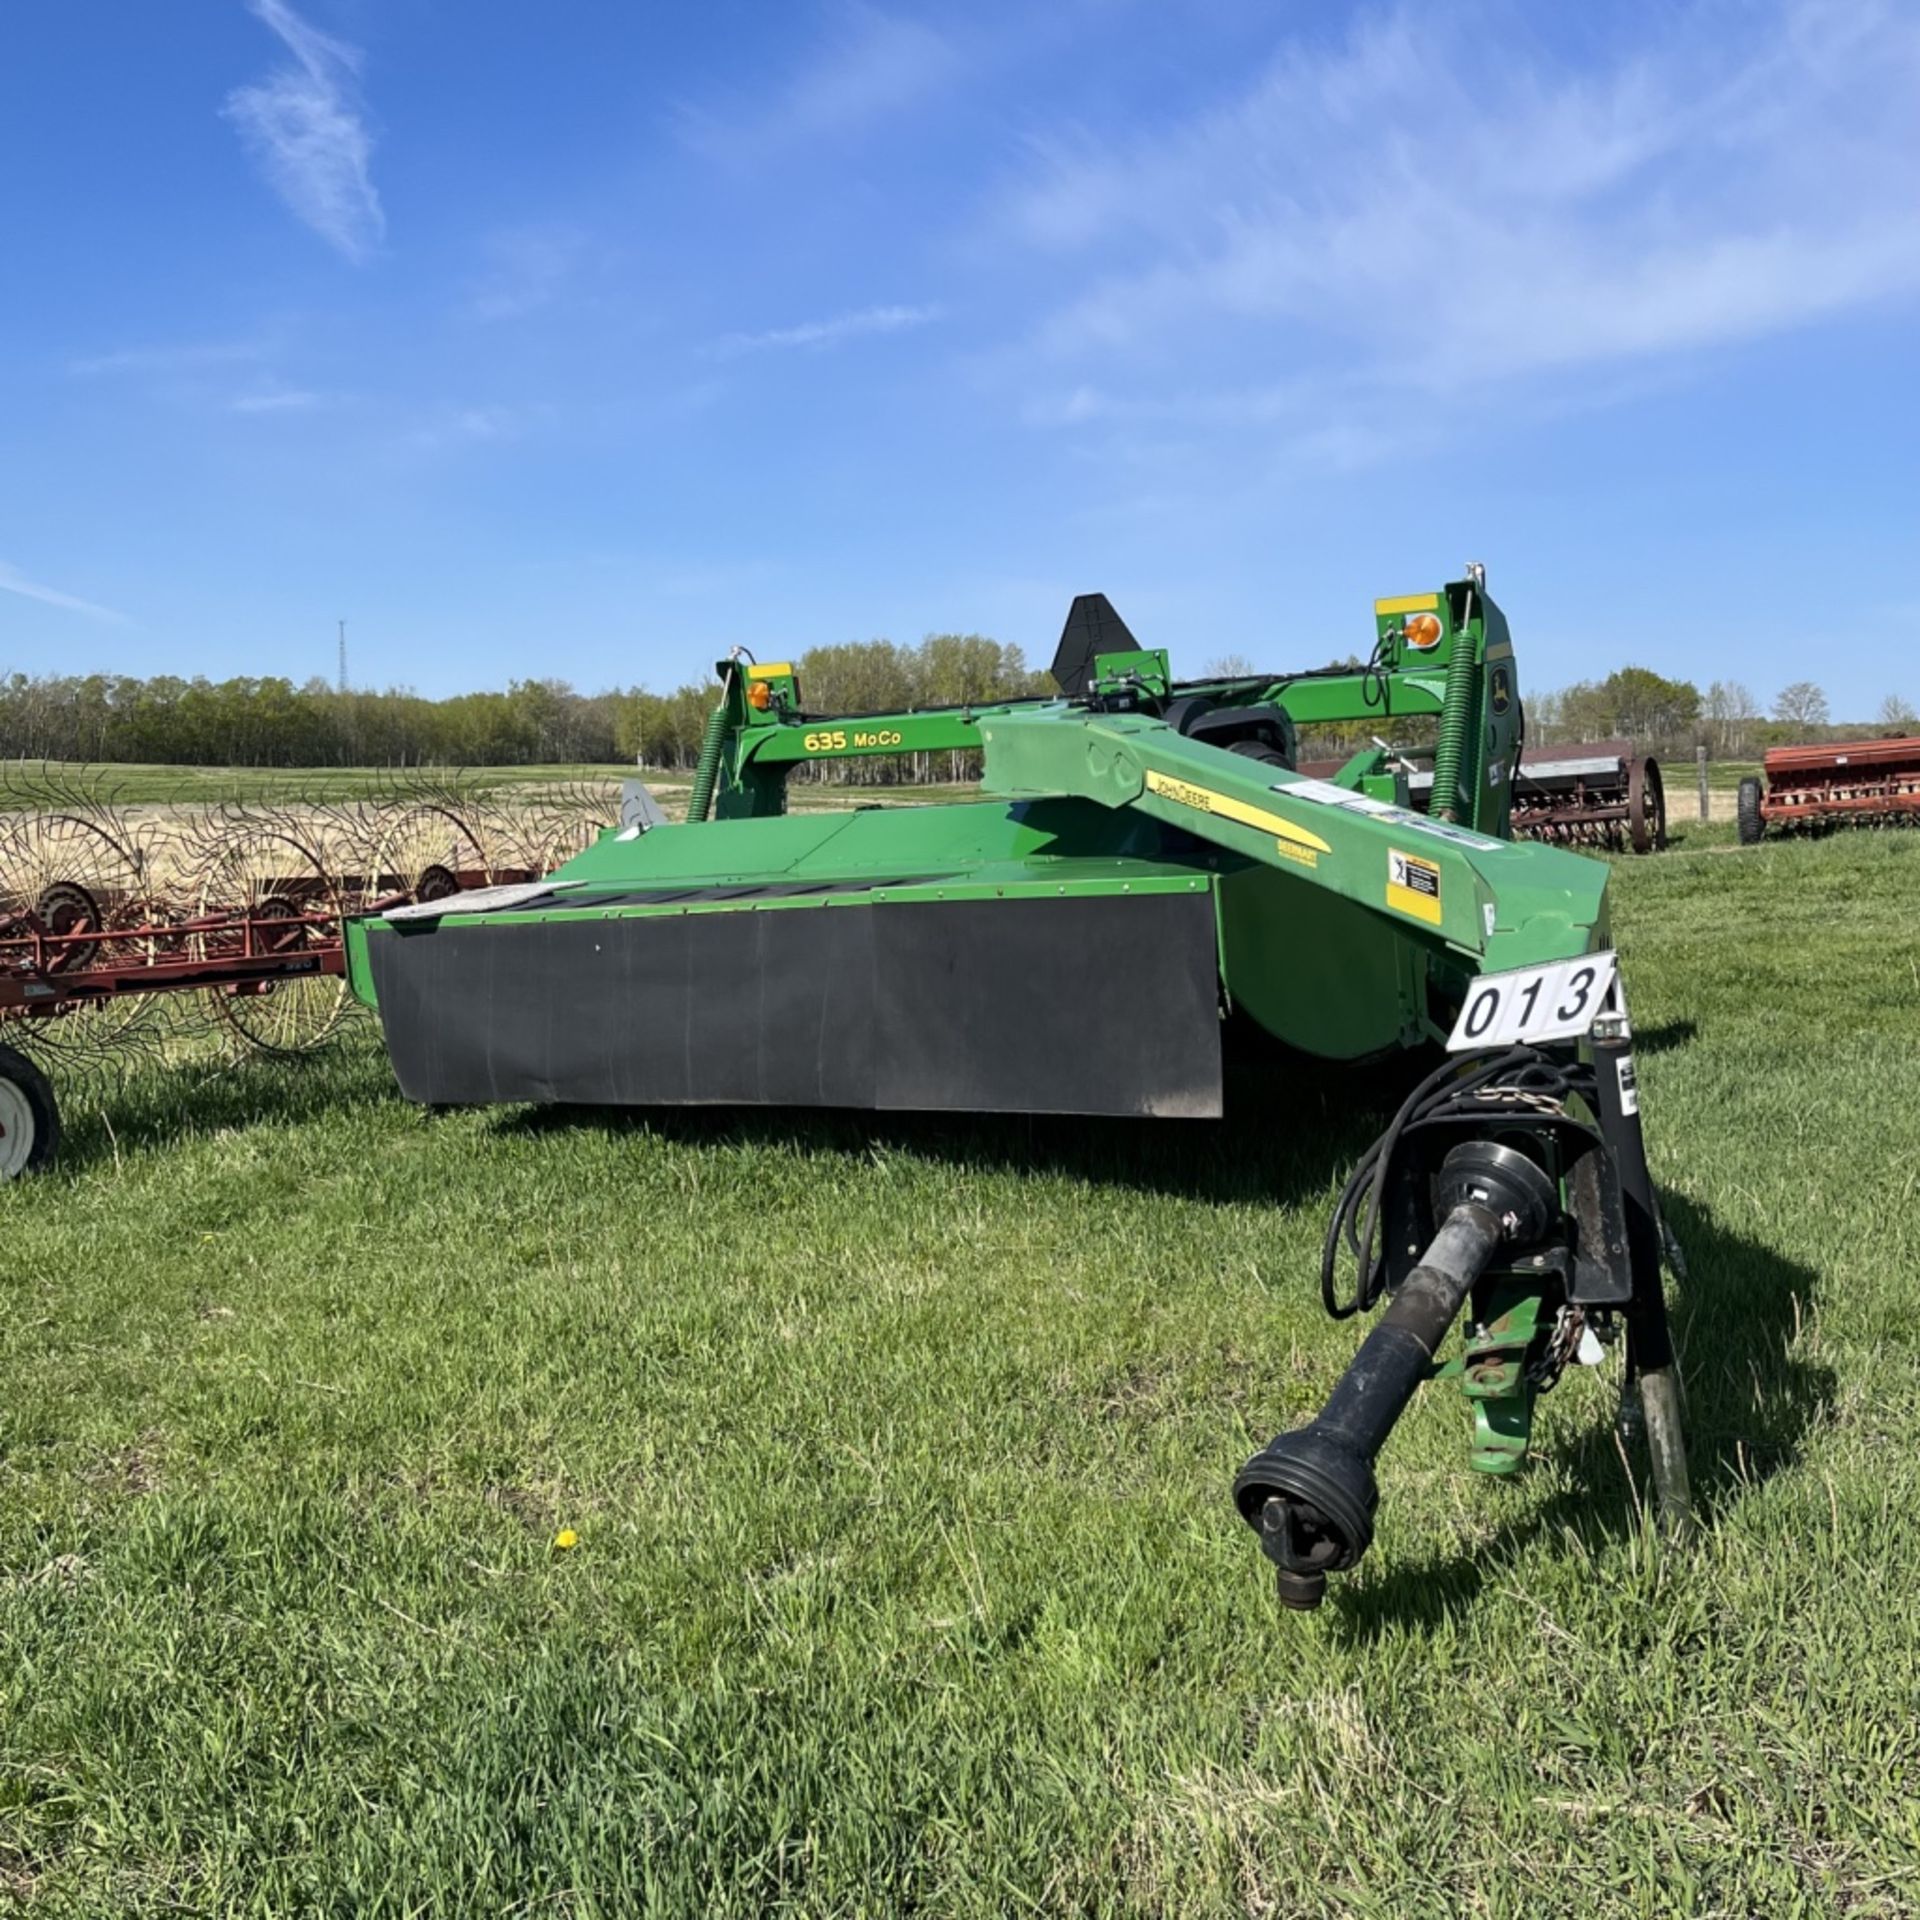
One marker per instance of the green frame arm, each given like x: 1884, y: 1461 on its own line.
x: 1445, y: 655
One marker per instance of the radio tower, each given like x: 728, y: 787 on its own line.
x: 343, y: 656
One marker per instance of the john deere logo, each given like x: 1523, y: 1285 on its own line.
x: 1501, y: 692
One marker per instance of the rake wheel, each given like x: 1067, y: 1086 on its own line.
x: 266, y: 873
x: 548, y: 827
x: 75, y: 872
x: 432, y: 843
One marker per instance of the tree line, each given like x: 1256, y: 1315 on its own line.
x: 267, y: 721
x: 270, y: 722
x: 1654, y: 711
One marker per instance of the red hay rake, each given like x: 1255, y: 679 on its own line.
x: 127, y: 928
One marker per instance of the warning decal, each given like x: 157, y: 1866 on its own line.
x: 1413, y: 886
x: 1629, y: 1085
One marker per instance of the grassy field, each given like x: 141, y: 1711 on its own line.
x: 30, y: 783
x: 25, y: 783
x: 26, y: 786
x: 897, y: 1454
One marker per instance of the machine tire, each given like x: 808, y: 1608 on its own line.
x: 1752, y: 827
x: 1183, y: 711
x: 1264, y: 751
x: 29, y: 1117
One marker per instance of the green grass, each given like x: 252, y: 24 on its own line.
x: 898, y: 1454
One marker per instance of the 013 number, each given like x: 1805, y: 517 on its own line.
x: 1534, y: 1004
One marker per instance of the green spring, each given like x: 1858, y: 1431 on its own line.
x: 1458, y: 718
x: 708, y: 771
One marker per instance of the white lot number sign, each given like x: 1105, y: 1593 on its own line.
x: 1533, y: 1004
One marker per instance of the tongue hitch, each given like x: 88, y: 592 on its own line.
x: 1311, y: 1493
x: 1513, y: 1185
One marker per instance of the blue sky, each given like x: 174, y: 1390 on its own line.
x: 585, y: 340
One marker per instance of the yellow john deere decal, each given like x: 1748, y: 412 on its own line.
x: 1409, y: 603
x: 1413, y: 885
x: 1290, y: 842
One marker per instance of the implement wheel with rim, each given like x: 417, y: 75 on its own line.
x: 29, y: 1119
x: 1646, y: 804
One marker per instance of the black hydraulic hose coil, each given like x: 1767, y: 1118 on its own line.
x: 1521, y: 1088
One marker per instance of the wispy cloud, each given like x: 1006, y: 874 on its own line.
x: 206, y: 374
x: 468, y: 426
x: 874, y: 64
x: 305, y: 128
x: 529, y: 267
x: 830, y: 333
x: 1403, y: 211
x: 12, y: 580
x: 184, y: 357
x: 276, y: 400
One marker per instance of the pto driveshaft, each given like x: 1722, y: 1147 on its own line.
x: 1311, y: 1494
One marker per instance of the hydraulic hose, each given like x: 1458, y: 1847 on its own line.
x: 1527, y: 1087
x: 707, y: 772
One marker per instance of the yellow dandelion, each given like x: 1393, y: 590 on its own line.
x: 566, y: 1539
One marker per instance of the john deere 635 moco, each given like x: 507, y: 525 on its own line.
x: 1145, y: 860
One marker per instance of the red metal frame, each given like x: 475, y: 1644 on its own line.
x: 42, y: 973
x: 1860, y: 778
x: 234, y: 950
x: 1593, y: 793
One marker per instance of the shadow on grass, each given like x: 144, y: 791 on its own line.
x: 1667, y: 1037
x: 1293, y: 1124
x: 105, y: 1115
x: 1750, y: 1402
